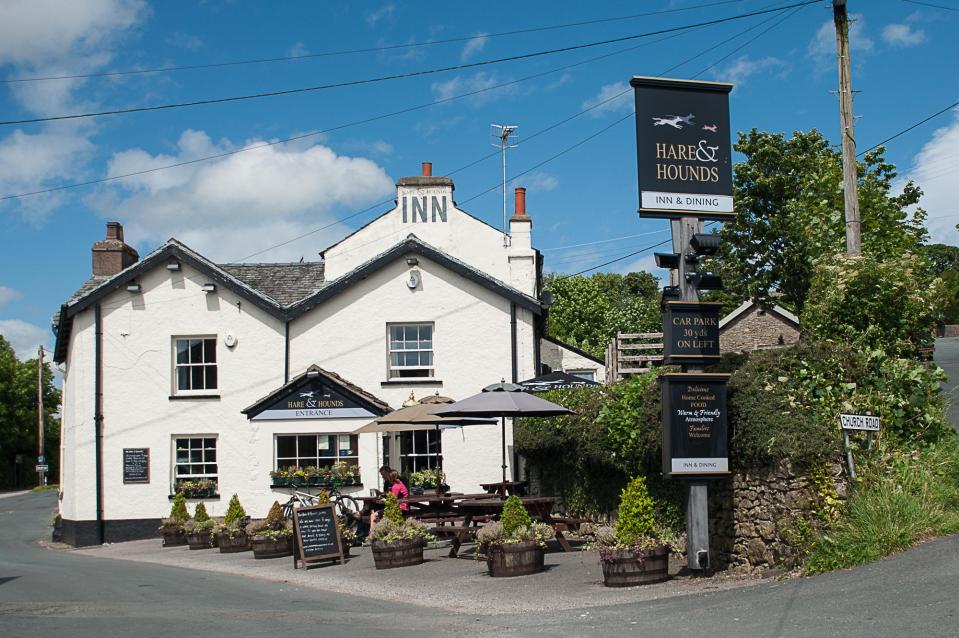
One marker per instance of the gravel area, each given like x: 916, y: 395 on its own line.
x: 571, y: 580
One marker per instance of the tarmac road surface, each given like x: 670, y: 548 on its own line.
x: 45, y: 592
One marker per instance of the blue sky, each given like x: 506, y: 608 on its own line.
x: 904, y: 58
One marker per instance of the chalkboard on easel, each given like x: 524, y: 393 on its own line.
x: 316, y: 535
x: 136, y: 465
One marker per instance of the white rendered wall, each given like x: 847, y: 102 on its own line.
x: 559, y: 358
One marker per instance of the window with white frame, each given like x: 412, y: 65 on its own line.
x: 410, y: 350
x: 315, y: 450
x: 420, y: 450
x: 195, y: 458
x: 589, y: 375
x: 194, y: 364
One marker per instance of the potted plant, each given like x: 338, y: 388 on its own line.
x: 231, y: 535
x: 171, y: 528
x: 198, y: 488
x: 342, y: 473
x: 514, y: 545
x: 199, y: 530
x: 313, y: 475
x: 635, y: 552
x: 281, y: 477
x: 347, y: 534
x: 397, y: 542
x: 273, y: 536
x: 428, y: 480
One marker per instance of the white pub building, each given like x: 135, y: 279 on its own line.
x: 180, y: 369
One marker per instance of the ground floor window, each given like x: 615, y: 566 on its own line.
x: 420, y: 450
x: 196, y: 462
x: 589, y: 375
x: 315, y: 450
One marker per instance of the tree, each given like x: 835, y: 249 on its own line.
x: 944, y: 263
x: 18, y: 418
x: 941, y: 257
x: 789, y: 213
x: 589, y: 311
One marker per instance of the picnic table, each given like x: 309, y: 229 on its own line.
x: 517, y: 488
x: 474, y: 511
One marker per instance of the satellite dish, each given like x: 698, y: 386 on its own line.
x: 229, y: 340
x: 413, y: 280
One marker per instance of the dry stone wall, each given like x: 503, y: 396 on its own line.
x: 754, y: 516
x: 757, y: 328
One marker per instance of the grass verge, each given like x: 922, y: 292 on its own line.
x: 46, y: 488
x: 900, y: 499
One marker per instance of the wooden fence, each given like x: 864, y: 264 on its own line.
x: 633, y: 353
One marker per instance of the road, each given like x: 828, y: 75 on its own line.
x: 46, y: 592
x: 947, y: 357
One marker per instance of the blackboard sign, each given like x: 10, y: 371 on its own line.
x: 695, y: 439
x: 136, y: 465
x: 691, y: 332
x: 683, y: 148
x: 316, y: 535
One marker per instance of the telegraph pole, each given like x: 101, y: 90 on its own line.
x: 40, y: 459
x: 846, y: 128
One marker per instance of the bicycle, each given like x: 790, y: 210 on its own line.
x: 346, y: 506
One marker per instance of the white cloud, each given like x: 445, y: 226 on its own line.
x: 383, y: 13
x: 541, y: 181
x: 647, y: 263
x: 822, y: 47
x: 903, y: 35
x: 239, y: 204
x: 24, y: 337
x: 473, y: 46
x: 742, y: 68
x: 562, y: 80
x: 481, y: 81
x: 612, y: 98
x: 298, y: 49
x: 933, y: 170
x: 9, y: 294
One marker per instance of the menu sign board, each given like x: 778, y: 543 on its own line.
x: 691, y: 332
x: 316, y: 535
x: 695, y: 439
x: 314, y: 399
x: 683, y: 148
x: 136, y: 465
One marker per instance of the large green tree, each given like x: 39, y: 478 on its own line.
x: 789, y: 213
x: 18, y: 418
x: 588, y: 311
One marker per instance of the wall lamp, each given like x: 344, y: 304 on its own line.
x: 208, y: 288
x: 173, y: 265
x: 133, y: 288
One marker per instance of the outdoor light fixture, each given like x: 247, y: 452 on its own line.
x: 705, y: 243
x: 173, y: 265
x: 707, y: 281
x: 412, y: 261
x: 313, y: 373
x: 667, y: 260
x: 134, y: 288
x: 208, y: 288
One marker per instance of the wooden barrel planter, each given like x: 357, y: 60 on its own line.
x: 265, y: 547
x: 173, y: 537
x: 239, y: 543
x: 399, y: 554
x: 625, y: 568
x: 201, y: 540
x: 518, y: 559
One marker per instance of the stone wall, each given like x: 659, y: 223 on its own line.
x: 757, y: 328
x: 753, y: 516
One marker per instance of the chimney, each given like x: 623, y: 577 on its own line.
x: 111, y: 255
x: 519, y: 207
x: 427, y: 169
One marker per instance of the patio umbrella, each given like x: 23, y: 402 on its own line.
x: 555, y: 381
x: 502, y: 400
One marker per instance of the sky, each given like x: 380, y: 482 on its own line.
x: 352, y: 144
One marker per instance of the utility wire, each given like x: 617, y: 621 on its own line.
x: 909, y: 128
x: 399, y: 76
x: 390, y: 47
x: 930, y: 4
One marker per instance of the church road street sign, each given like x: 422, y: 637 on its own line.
x: 683, y: 149
x: 859, y: 422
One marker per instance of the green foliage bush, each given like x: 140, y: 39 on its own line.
x: 636, y: 518
x: 179, y: 513
x: 514, y: 516
x: 200, y: 515
x: 391, y: 509
x: 275, y: 518
x: 234, y: 512
x: 873, y: 302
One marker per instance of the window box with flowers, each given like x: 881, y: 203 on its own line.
x: 196, y: 488
x: 340, y: 474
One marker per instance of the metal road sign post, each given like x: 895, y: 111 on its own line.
x: 853, y: 423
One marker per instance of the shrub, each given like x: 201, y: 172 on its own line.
x: 391, y: 509
x: 200, y: 516
x: 179, y: 513
x: 494, y: 534
x: 635, y: 519
x: 323, y: 498
x: 514, y: 515
x: 275, y: 518
x: 234, y: 512
x: 387, y: 530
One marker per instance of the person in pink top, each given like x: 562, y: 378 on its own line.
x: 397, y: 488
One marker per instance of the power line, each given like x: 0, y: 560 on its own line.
x: 613, y: 261
x: 397, y: 76
x: 909, y: 128
x: 390, y: 47
x: 929, y: 4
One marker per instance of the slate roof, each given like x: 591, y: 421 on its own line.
x: 285, y: 283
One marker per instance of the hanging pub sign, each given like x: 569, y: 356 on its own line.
x: 695, y: 438
x: 691, y: 332
x: 683, y: 148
